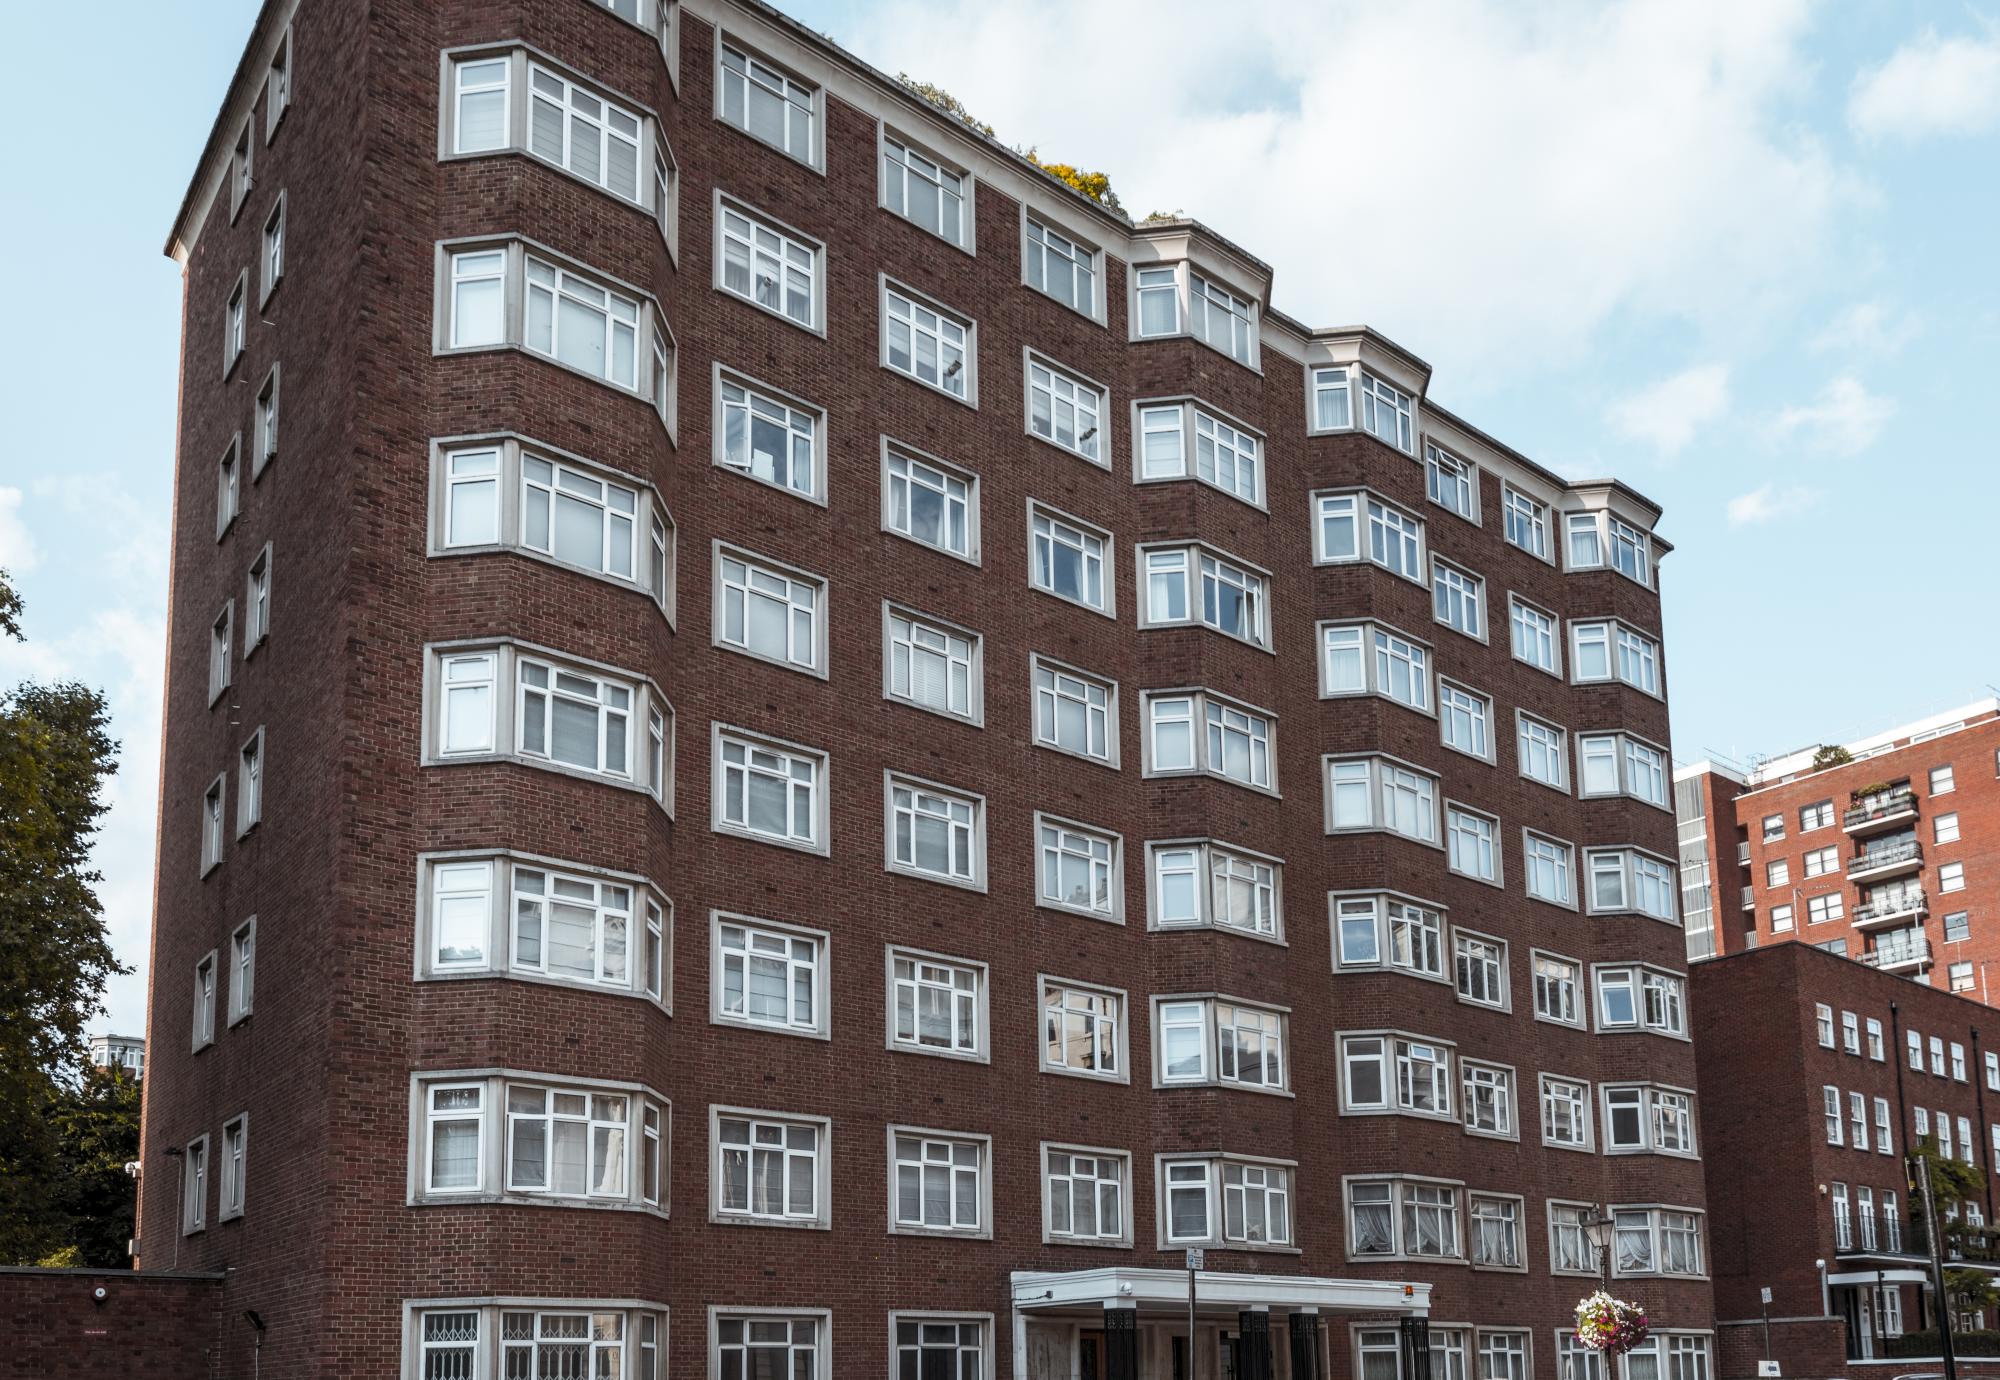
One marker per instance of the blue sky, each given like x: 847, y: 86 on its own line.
x: 1740, y: 255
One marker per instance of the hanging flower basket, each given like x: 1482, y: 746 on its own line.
x: 1609, y: 1325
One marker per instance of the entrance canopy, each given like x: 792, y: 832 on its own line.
x: 1216, y: 1292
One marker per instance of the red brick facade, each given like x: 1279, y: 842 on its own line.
x: 338, y: 1232
x: 115, y: 1325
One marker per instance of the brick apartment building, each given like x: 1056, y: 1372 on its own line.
x: 1819, y: 1074
x: 800, y: 752
x: 1892, y: 857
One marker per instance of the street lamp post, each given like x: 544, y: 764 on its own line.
x: 1597, y: 1231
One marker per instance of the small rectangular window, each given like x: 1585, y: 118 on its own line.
x: 1067, y: 410
x: 770, y: 611
x: 931, y: 503
x: 1075, y: 711
x: 1157, y: 288
x: 1079, y: 868
x: 926, y: 192
x: 250, y: 784
x: 241, y: 166
x: 272, y: 262
x: 242, y: 970
x: 194, y: 1186
x: 1450, y: 482
x: 212, y: 826
x: 935, y: 832
x: 1458, y: 599
x: 278, y: 86
x: 1055, y: 264
x: 205, y: 979
x: 221, y: 651
x: 233, y: 1168
x: 769, y: 266
x: 266, y: 424
x: 932, y: 664
x: 766, y: 103
x: 1527, y: 521
x: 937, y: 1005
x: 228, y: 486
x: 1070, y: 559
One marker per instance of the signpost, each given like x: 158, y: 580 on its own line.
x: 1193, y: 1264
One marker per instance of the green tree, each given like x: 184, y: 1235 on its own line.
x: 1095, y: 185
x: 55, y: 756
x: 97, y: 1134
x: 1954, y: 1183
x: 945, y: 101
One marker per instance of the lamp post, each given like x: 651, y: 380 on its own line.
x: 1923, y: 1173
x: 1597, y: 1231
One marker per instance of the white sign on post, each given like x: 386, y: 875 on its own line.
x: 1194, y: 1258
x: 1768, y: 1370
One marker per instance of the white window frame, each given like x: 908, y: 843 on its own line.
x: 774, y: 73
x: 1439, y: 1057
x: 236, y: 324
x: 1402, y: 1204
x: 1525, y: 516
x: 1068, y: 685
x: 1213, y: 1053
x: 1113, y: 909
x: 1190, y: 563
x: 819, y: 841
x: 820, y: 1168
x: 207, y: 979
x: 763, y: 236
x: 938, y: 636
x: 1404, y: 935
x: 1084, y: 399
x: 896, y: 784
x: 1375, y: 645
x: 644, y: 1142
x: 257, y: 602
x: 1192, y: 419
x: 1554, y: 735
x: 1283, y: 1183
x: 1478, y: 840
x: 232, y: 1176
x: 1625, y: 746
x: 1212, y: 860
x: 1481, y: 1076
x: 1364, y: 511
x: 1655, y: 1228
x: 978, y: 1047
x: 489, y: 880
x: 1382, y: 773
x: 889, y: 142
x: 1200, y: 705
x: 1464, y: 951
x: 278, y: 85
x: 949, y: 474
x: 1056, y: 531
x: 1057, y: 244
x: 242, y: 970
x: 818, y: 1344
x: 760, y: 401
x: 1637, y: 980
x: 1119, y: 1018
x: 228, y: 485
x: 1631, y: 863
x: 1560, y: 854
x: 271, y: 252
x: 1579, y: 992
x: 889, y: 293
x: 1575, y: 1095
x: 194, y: 1185
x: 252, y: 771
x: 1458, y: 702
x: 1468, y: 591
x: 214, y: 828
x: 1520, y: 614
x: 1121, y: 1161
x: 774, y: 573
x: 816, y: 966
x: 926, y: 1138
x: 1650, y: 1102
x: 267, y: 416
x: 1440, y: 460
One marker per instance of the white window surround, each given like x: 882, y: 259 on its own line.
x: 817, y: 787
x: 1623, y: 648
x: 1179, y: 276
x: 1656, y: 1226
x: 453, y: 886
x: 794, y: 594
x: 922, y: 795
x: 782, y: 420
x: 1549, y: 742
x: 221, y: 651
x: 933, y: 647
x: 1630, y: 754
x: 807, y: 100
x: 810, y: 1334
x: 1415, y: 793
x: 1466, y: 947
x: 1545, y: 858
x: 477, y: 486
x: 622, y: 121
x: 264, y: 448
x: 1050, y: 245
x: 1431, y: 1066
x: 1609, y: 542
x: 1403, y: 1205
x: 1564, y: 1220
x: 647, y: 1140
x: 214, y: 823
x: 767, y: 250
x: 973, y: 1045
x: 954, y: 507
x: 1284, y: 1181
x: 1172, y: 581
x: 1119, y: 1005
x: 1465, y: 590
x: 806, y: 953
x: 1662, y: 880
x: 1060, y: 550
x: 925, y: 173
x: 235, y: 323
x: 1061, y: 699
x: 932, y: 1138
x: 1469, y: 714
x: 1105, y: 847
x: 463, y: 1336
x: 954, y: 358
x: 1211, y: 714
x: 1120, y: 1162
x: 271, y: 252
x: 1657, y: 998
x: 1540, y: 631
x: 631, y: 312
x: 1215, y: 864
x: 1477, y: 1074
x: 278, y: 85
x: 1077, y: 405
x: 1358, y: 526
x: 1654, y: 1100
x: 1389, y: 931
x: 648, y: 715
x: 1528, y: 522
x: 1450, y: 475
x: 1575, y: 1095
x: 232, y: 1173
x: 1168, y: 436
x: 228, y: 485
x: 1456, y: 837
x: 918, y: 1334
x: 243, y: 970
x: 1217, y: 1051
x: 821, y: 1216
x: 252, y: 777
x: 207, y: 979
x: 194, y: 1185
x: 1359, y: 658
x: 1578, y: 995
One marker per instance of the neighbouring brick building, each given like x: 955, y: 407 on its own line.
x: 1819, y: 1075
x: 1891, y: 857
x: 800, y: 752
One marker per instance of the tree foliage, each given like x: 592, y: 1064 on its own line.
x: 1831, y: 755
x: 946, y: 102
x: 97, y: 1134
x: 55, y: 756
x: 1095, y: 185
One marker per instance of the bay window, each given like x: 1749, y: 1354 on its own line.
x: 1620, y: 764
x: 1384, y: 930
x: 1624, y: 879
x: 1199, y: 584
x: 1380, y: 794
x: 1403, y: 1217
x: 1220, y: 1041
x: 1357, y: 525
x: 461, y: 1339
x: 1640, y: 998
x: 1198, y: 731
x: 505, y: 1136
x: 1656, y: 1241
x: 1472, y: 843
x: 1644, y: 1118
x: 1396, y: 1073
x: 1375, y: 659
x: 1226, y: 1200
x: 1200, y: 882
x: 1607, y: 650
x: 1183, y: 439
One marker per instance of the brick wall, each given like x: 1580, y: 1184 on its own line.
x: 150, y: 1326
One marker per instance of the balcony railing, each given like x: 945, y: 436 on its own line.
x: 1900, y: 801
x: 1870, y: 859
x: 1898, y: 955
x: 1878, y: 1233
x: 1749, y: 898
x: 1908, y: 901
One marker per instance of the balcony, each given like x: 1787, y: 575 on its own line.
x: 1878, y: 1233
x: 1892, y: 861
x: 1907, y: 955
x: 1882, y: 810
x: 1899, y: 909
x: 1749, y: 898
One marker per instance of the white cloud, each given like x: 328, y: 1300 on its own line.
x: 1871, y: 328
x: 1930, y: 85
x: 1769, y: 503
x: 1666, y: 415
x: 1845, y: 419
x: 1488, y: 182
x: 18, y: 554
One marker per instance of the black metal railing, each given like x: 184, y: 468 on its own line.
x: 1868, y: 858
x: 1926, y: 1345
x: 1880, y: 1233
x: 1876, y: 806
